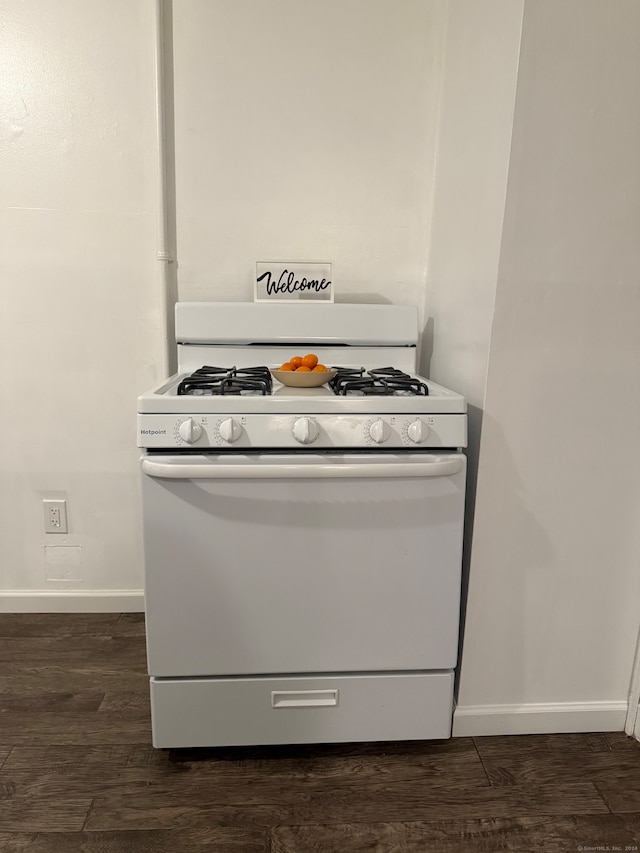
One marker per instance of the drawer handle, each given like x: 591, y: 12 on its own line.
x: 304, y: 698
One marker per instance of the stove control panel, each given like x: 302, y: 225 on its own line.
x: 283, y: 430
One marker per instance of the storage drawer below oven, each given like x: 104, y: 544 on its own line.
x: 242, y: 711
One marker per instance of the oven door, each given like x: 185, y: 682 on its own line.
x: 300, y: 563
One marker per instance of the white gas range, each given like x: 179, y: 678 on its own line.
x: 302, y: 545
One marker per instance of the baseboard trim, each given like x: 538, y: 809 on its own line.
x: 553, y: 718
x: 72, y: 601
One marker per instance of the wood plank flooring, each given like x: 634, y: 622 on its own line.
x: 78, y: 773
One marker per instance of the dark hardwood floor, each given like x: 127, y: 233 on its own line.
x: 78, y: 773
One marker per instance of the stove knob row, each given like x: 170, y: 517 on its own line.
x: 190, y: 431
x: 418, y: 431
x: 305, y: 430
x: 230, y: 430
x: 379, y: 431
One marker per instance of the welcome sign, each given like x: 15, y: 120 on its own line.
x: 293, y: 281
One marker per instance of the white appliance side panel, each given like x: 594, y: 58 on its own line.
x: 302, y: 575
x: 331, y: 709
x: 251, y: 323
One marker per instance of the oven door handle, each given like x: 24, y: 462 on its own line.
x: 438, y: 466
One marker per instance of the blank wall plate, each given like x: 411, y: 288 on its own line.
x: 63, y: 562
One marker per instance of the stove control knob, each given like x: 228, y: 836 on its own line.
x: 190, y: 431
x: 418, y: 431
x: 379, y: 431
x: 305, y: 430
x: 230, y: 430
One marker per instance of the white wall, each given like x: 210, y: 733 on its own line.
x: 80, y: 331
x: 306, y: 131
x: 554, y: 584
x: 480, y: 65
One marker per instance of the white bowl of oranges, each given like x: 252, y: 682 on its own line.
x: 303, y: 371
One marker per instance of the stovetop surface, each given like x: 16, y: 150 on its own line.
x: 356, y: 390
x: 210, y: 380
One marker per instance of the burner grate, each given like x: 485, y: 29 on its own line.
x: 382, y: 381
x: 213, y: 381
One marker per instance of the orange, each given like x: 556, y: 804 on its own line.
x: 310, y: 360
x: 319, y: 368
x: 295, y: 362
x: 303, y: 369
x: 286, y: 366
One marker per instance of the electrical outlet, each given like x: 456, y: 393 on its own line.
x: 55, y: 516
